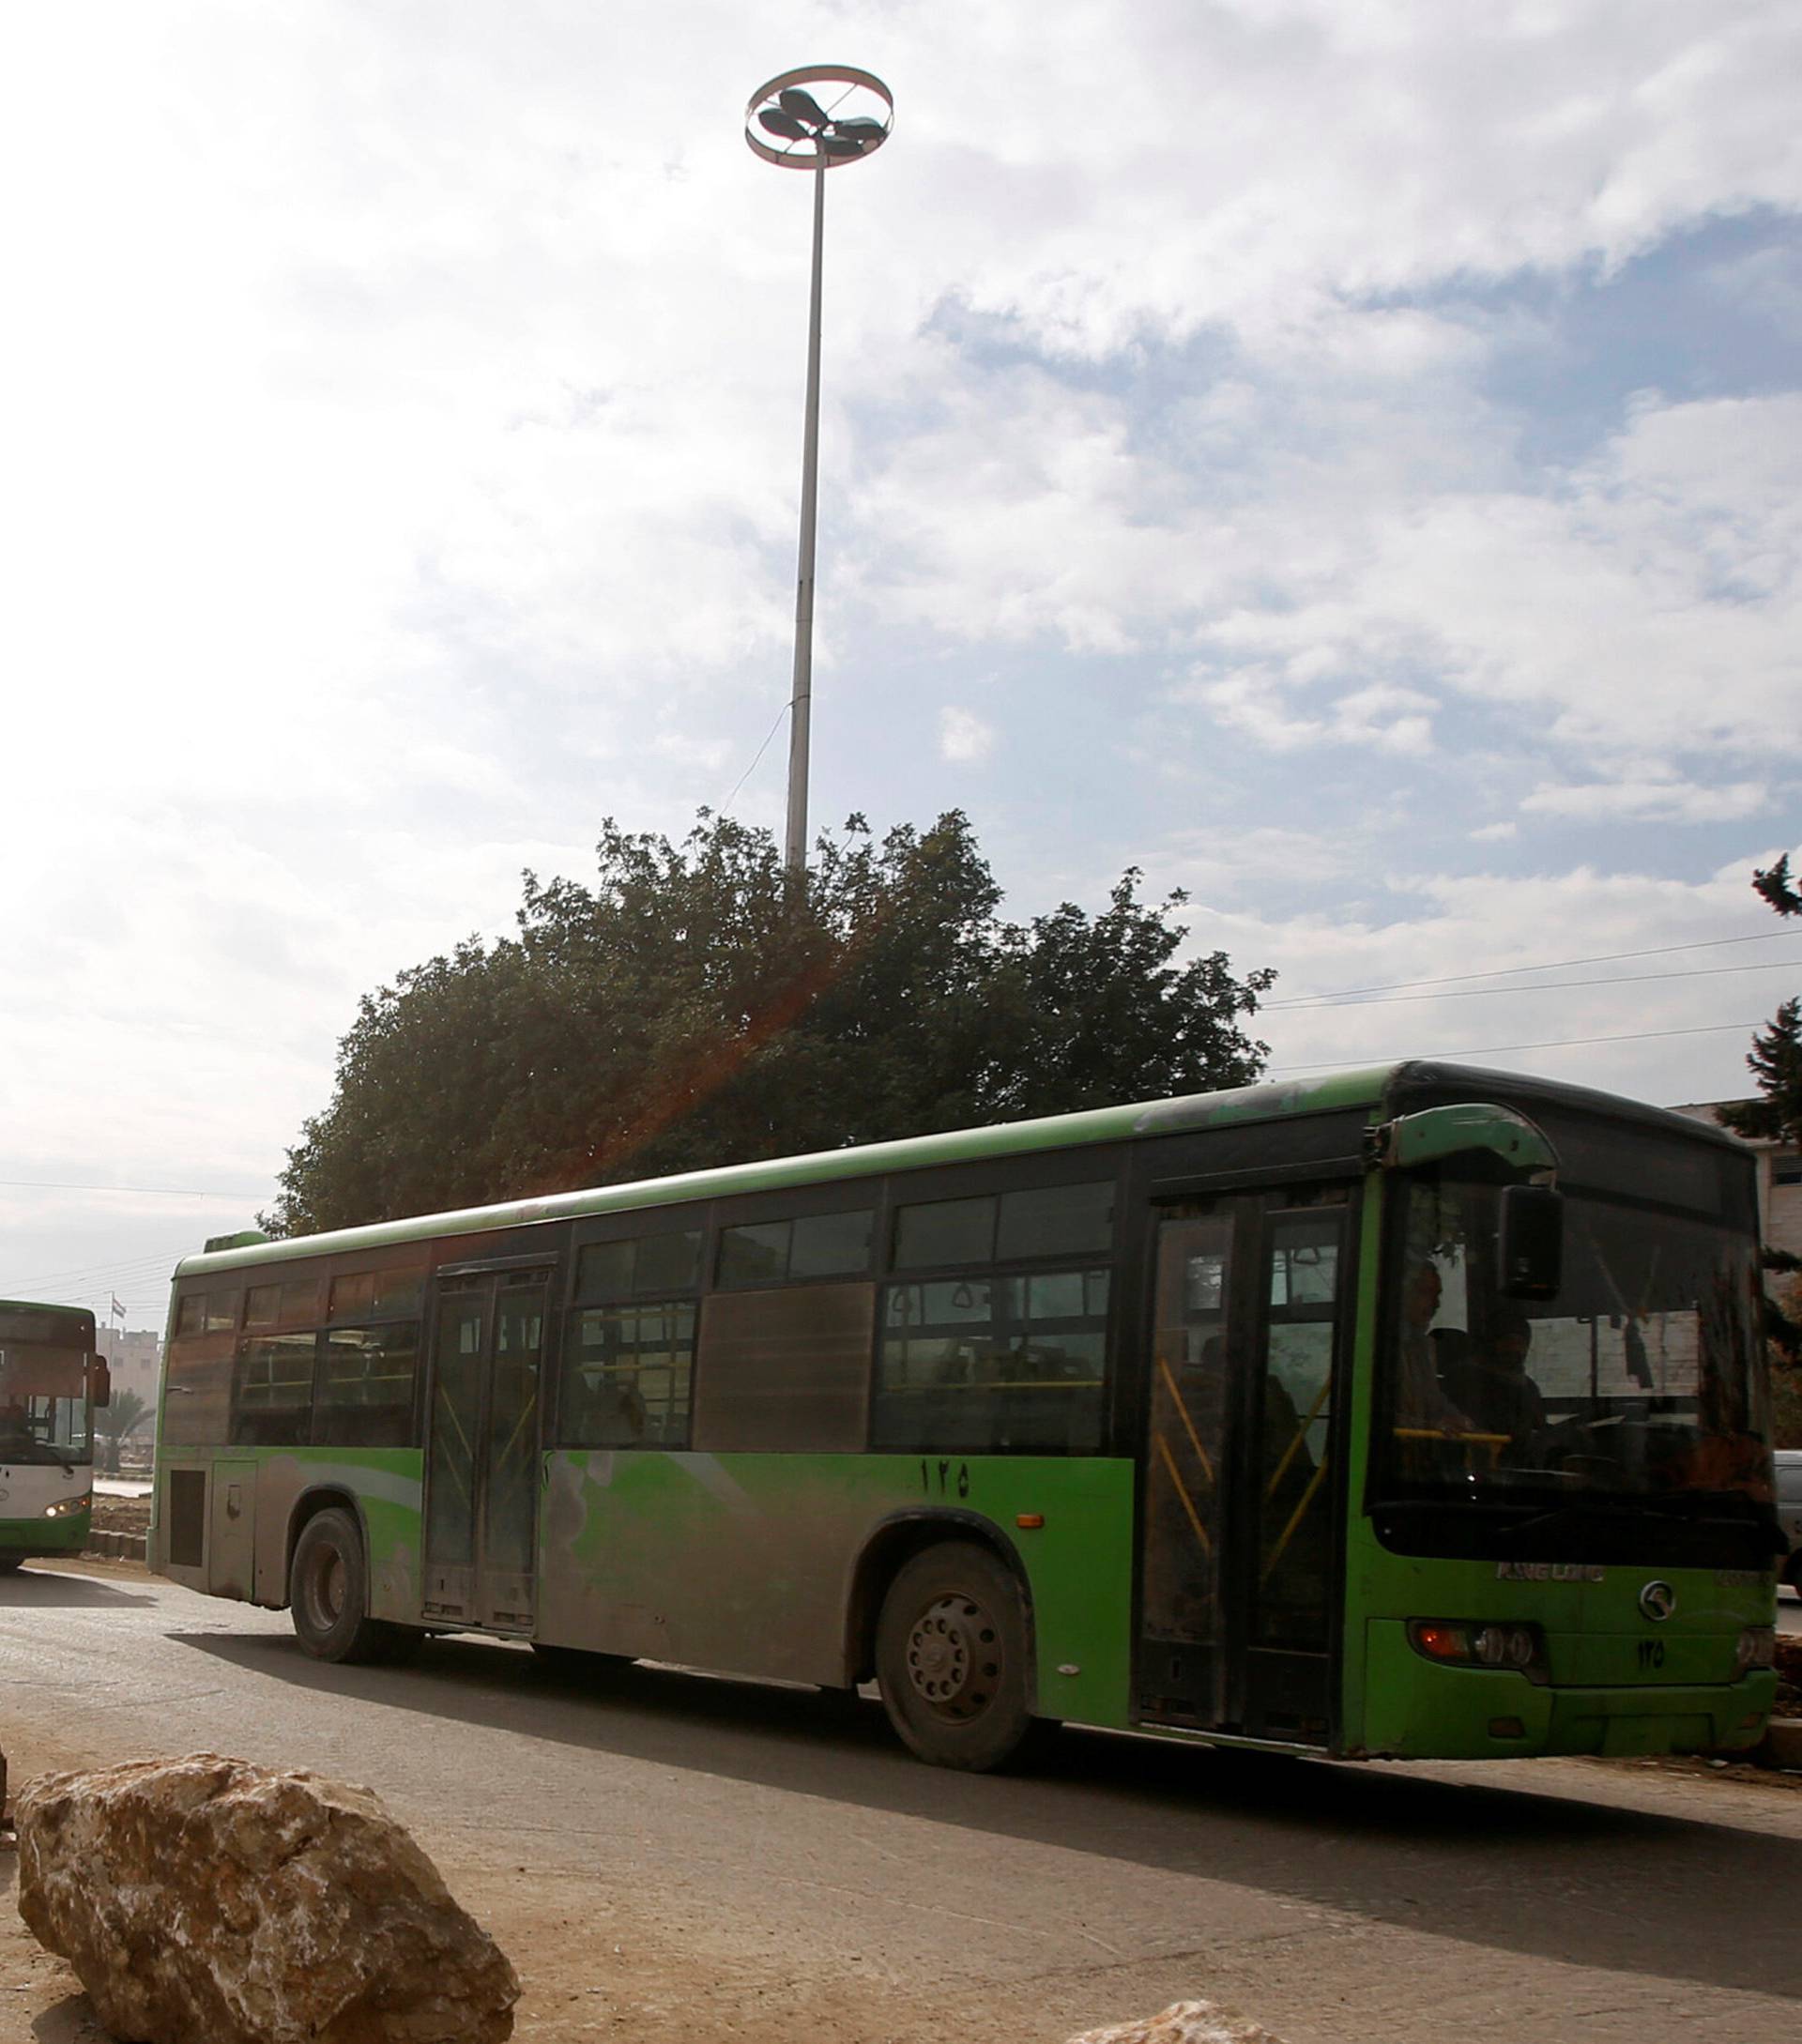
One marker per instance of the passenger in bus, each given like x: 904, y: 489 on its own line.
x: 1490, y: 1383
x: 1421, y: 1405
x: 613, y: 1414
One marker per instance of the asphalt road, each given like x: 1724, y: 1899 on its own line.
x: 671, y: 1856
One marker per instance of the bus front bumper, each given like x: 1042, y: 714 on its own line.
x: 1415, y: 1710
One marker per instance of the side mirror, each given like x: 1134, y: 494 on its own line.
x: 99, y: 1382
x: 1530, y: 1242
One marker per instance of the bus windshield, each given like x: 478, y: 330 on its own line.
x: 1636, y: 1389
x: 44, y: 1403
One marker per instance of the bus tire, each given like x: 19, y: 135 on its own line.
x: 329, y: 1594
x: 951, y: 1656
x: 10, y: 1563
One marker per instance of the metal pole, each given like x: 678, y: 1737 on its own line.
x: 800, y: 705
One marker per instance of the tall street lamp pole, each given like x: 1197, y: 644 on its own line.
x: 853, y: 121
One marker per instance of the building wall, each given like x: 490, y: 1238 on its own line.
x: 134, y: 1356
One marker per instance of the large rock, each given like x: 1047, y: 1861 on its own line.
x: 208, y: 1901
x: 1182, y: 2022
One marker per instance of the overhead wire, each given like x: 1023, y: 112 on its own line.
x: 147, y: 1192
x: 128, y: 1271
x: 1501, y: 1050
x: 1302, y: 1005
x: 726, y: 804
x: 1556, y: 965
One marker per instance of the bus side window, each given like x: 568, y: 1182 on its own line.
x: 629, y: 1343
x: 366, y: 1385
x: 993, y: 1364
x: 272, y: 1391
x: 627, y: 1371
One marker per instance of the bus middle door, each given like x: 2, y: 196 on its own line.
x: 481, y: 1453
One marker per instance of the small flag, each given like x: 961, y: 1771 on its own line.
x: 117, y: 1307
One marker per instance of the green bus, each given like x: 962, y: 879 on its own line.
x: 51, y: 1379
x: 1416, y: 1411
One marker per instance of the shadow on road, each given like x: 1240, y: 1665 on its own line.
x: 48, y: 1590
x: 1574, y: 1878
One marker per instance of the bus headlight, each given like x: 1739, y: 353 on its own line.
x: 67, y: 1508
x: 1472, y: 1642
x: 1756, y: 1647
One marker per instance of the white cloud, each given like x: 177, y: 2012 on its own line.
x: 404, y: 469
x: 1651, y: 597
x: 1674, y: 1023
x: 1664, y: 800
x: 1279, y: 158
x: 1390, y: 718
x: 964, y: 739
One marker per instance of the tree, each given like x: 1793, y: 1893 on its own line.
x: 118, y: 1420
x: 1775, y: 1061
x: 694, y: 1008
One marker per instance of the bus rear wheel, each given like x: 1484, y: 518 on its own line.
x: 951, y: 1656
x: 328, y: 1596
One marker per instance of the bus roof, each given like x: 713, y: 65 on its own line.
x: 14, y: 1313
x: 1368, y: 1087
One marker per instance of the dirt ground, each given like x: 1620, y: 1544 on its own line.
x: 121, y: 1515
x: 595, y: 1965
x: 594, y: 1961
x: 589, y: 1966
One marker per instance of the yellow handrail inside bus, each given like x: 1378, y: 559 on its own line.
x: 1188, y: 1502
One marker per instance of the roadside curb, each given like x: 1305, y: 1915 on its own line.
x: 1781, y: 1745
x: 116, y: 1547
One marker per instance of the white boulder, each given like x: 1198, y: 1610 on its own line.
x: 1182, y: 2022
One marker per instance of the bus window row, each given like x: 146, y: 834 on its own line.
x: 792, y: 1348
x: 362, y: 1295
x: 991, y: 1365
x: 1030, y: 1224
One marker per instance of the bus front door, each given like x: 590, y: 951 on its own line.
x: 482, y: 1452
x: 1237, y: 1560
x: 1181, y: 1676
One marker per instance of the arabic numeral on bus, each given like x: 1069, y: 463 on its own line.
x: 945, y: 1481
x: 1650, y: 1652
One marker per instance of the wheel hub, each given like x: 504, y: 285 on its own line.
x: 326, y: 1589
x: 954, y: 1658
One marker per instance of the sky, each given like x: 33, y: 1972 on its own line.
x: 1342, y: 459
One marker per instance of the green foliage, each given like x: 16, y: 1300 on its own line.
x: 692, y: 1008
x: 1775, y: 1061
x: 116, y: 1421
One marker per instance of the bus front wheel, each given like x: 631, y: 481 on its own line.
x: 328, y: 1596
x: 951, y: 1656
